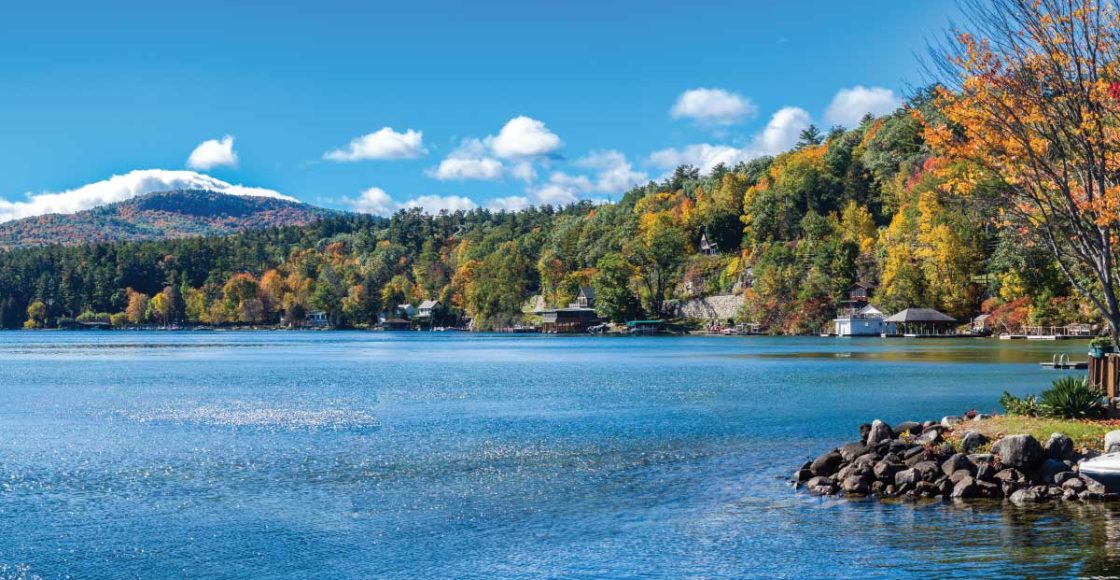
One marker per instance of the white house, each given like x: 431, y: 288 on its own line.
x: 426, y: 309
x: 866, y: 321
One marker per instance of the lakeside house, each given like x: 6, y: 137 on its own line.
x: 317, y: 318
x: 866, y: 321
x: 577, y: 317
x: 922, y: 322
x: 406, y: 310
x: 427, y: 309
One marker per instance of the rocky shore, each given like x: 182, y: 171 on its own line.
x: 917, y: 460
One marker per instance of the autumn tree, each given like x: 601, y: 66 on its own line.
x: 1030, y: 102
x: 36, y: 315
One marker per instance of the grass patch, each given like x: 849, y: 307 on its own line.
x: 1088, y: 433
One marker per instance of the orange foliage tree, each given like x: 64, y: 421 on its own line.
x: 1030, y: 104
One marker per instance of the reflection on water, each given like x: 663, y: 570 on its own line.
x: 414, y: 455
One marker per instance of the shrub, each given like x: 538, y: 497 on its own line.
x: 1100, y: 342
x: 1026, y: 406
x: 1071, y: 398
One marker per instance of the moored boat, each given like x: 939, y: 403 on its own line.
x: 1104, y: 470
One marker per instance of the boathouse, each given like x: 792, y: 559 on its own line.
x: 866, y: 321
x: 562, y: 320
x: 923, y: 322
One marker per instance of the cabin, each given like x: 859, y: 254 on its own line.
x: 920, y: 322
x: 865, y: 321
x: 858, y: 295
x: 427, y: 309
x: 585, y: 298
x: 707, y: 248
x: 317, y: 318
x: 982, y: 324
x: 564, y: 320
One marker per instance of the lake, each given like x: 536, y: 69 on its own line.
x: 446, y: 455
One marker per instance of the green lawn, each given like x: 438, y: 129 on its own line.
x: 1085, y: 433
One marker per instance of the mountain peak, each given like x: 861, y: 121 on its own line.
x: 175, y: 213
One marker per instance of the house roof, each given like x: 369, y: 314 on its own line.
x: 869, y: 309
x: 588, y: 292
x: 428, y: 304
x: 920, y: 315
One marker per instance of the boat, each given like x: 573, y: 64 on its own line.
x: 1104, y: 470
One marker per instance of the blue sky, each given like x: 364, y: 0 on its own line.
x: 499, y: 105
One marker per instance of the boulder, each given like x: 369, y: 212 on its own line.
x: 802, y: 475
x: 1050, y: 468
x: 906, y: 477
x: 855, y: 485
x: 957, y: 462
x: 864, y: 429
x: 827, y: 464
x: 981, y: 417
x: 929, y: 437
x: 1022, y: 452
x: 959, y: 474
x: 886, y: 470
x: 1009, y: 474
x: 927, y: 489
x: 927, y: 470
x: 989, y: 489
x: 821, y: 485
x: 1064, y: 476
x: 908, y: 427
x: 966, y: 487
x: 949, y: 421
x: 973, y: 440
x: 1075, y: 484
x: 1112, y: 442
x: 879, y: 432
x: 1059, y: 447
x: 986, y: 470
x: 1027, y: 495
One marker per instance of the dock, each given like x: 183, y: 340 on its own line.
x: 1062, y: 362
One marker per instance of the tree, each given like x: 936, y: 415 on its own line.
x: 810, y: 137
x: 36, y: 315
x: 658, y: 256
x: 613, y: 297
x: 137, y: 309
x: 1030, y: 102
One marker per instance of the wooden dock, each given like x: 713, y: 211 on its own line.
x: 1104, y: 372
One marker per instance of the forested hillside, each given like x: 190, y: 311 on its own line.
x: 168, y: 214
x: 791, y: 234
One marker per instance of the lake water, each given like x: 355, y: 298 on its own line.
x: 382, y: 455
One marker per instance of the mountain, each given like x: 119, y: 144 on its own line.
x: 159, y: 215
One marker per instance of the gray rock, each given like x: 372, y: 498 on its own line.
x: 957, y: 462
x: 1064, y: 476
x: 886, y: 470
x: 1026, y: 496
x: 929, y: 437
x: 981, y: 417
x: 986, y: 471
x: 821, y: 485
x: 1059, y: 447
x: 1075, y: 484
x: 926, y: 489
x: 911, y: 427
x: 1112, y: 442
x: 1069, y: 495
x: 965, y: 488
x: 864, y: 429
x: 973, y: 440
x: 948, y: 421
x: 879, y: 432
x: 1009, y: 474
x: 827, y: 464
x: 1022, y: 452
x: 989, y: 489
x: 855, y: 485
x: 960, y: 474
x: 927, y: 470
x: 802, y: 475
x: 1049, y: 468
x: 851, y: 451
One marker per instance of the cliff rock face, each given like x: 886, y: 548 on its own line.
x: 711, y: 307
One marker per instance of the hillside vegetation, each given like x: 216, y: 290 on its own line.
x: 791, y: 233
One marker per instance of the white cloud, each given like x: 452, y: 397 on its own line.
x: 511, y: 203
x: 123, y: 187
x: 850, y: 105
x: 524, y: 171
x: 703, y: 156
x: 462, y: 168
x: 713, y: 107
x: 561, y: 189
x: 523, y: 137
x: 376, y: 201
x: 615, y: 173
x: 213, y: 153
x: 436, y: 203
x: 782, y: 132
x: 382, y: 144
